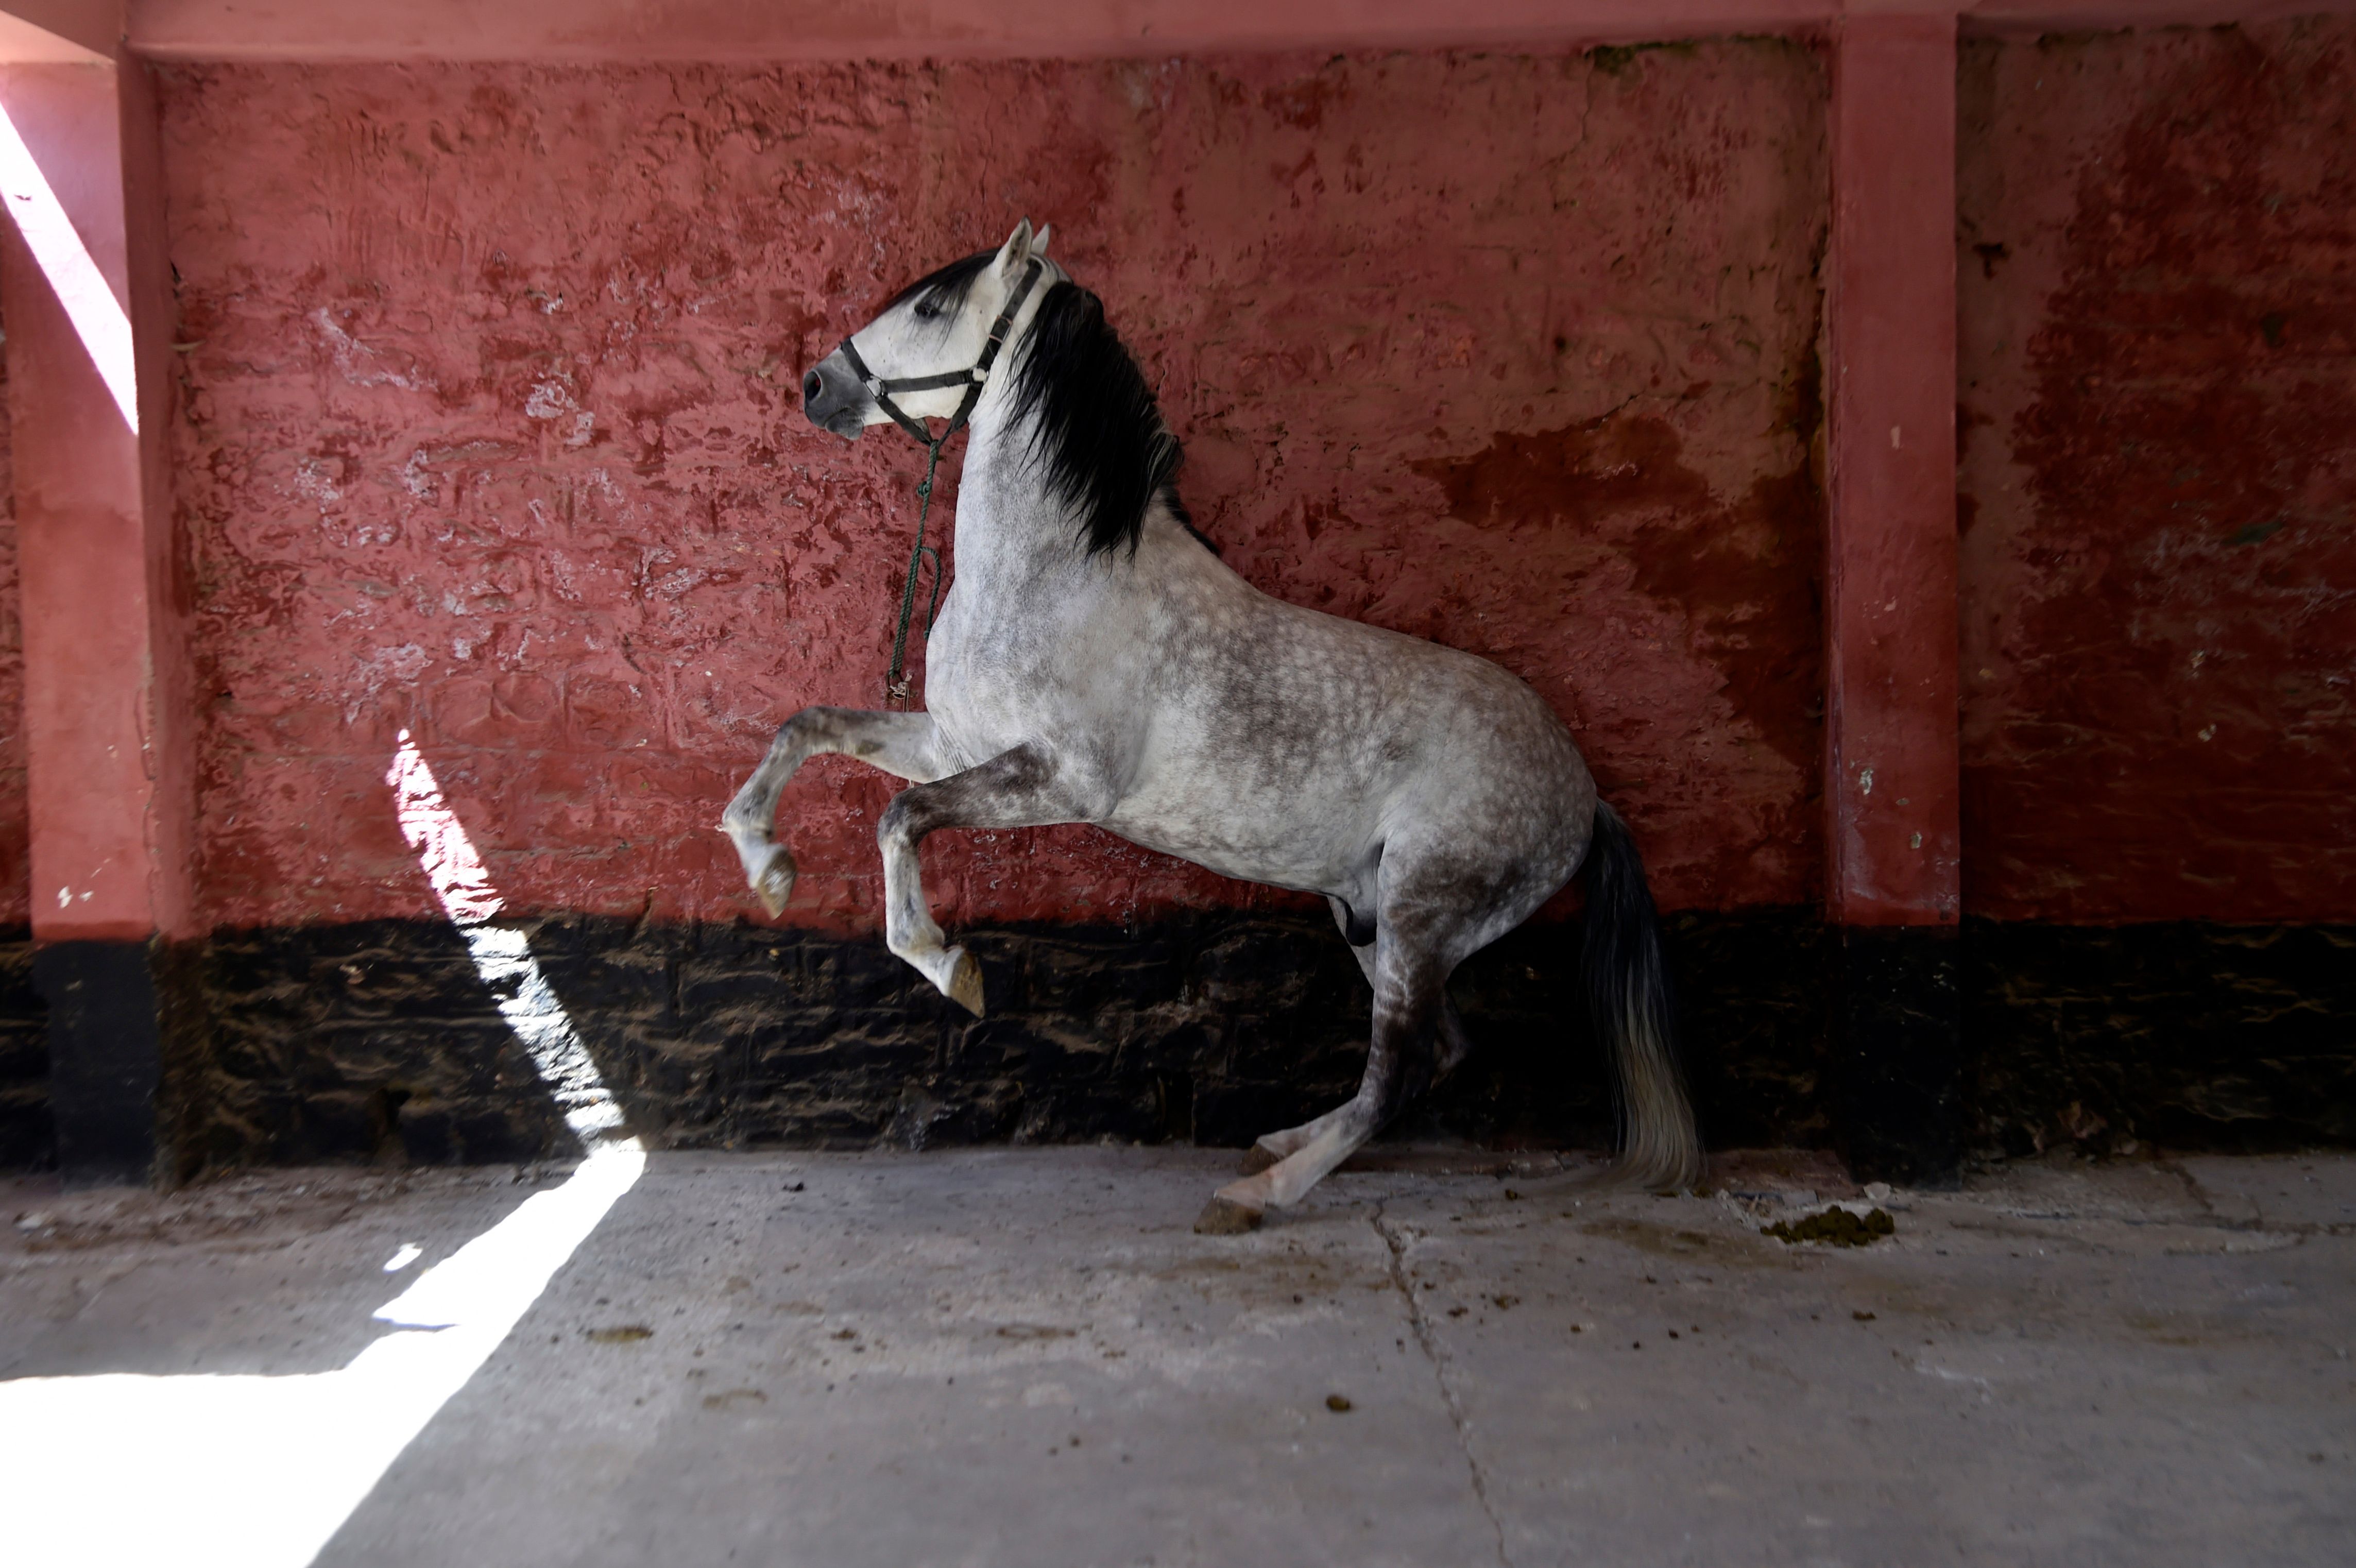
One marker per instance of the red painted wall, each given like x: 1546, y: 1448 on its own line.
x: 15, y: 875
x: 490, y: 431
x: 2158, y: 295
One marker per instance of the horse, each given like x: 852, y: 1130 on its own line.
x: 1096, y: 662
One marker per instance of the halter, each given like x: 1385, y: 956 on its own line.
x: 972, y: 378
x: 896, y: 680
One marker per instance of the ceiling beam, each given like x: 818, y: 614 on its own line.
x: 610, y: 31
x: 59, y: 32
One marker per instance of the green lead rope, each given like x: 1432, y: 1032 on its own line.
x: 896, y: 680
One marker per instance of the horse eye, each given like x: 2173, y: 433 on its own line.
x: 925, y: 311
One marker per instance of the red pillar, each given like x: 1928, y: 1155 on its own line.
x: 1893, y: 890
x: 88, y: 311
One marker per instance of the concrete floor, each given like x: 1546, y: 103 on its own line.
x: 1025, y: 1357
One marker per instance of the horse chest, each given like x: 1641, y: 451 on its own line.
x: 1007, y: 667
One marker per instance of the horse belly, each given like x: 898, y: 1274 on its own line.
x: 1244, y: 836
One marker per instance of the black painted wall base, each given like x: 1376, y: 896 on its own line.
x: 28, y: 1140
x: 379, y: 1041
x: 2187, y: 1035
x: 1898, y: 1044
x: 105, y: 1046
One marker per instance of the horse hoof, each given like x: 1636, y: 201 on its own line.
x: 965, y: 982
x: 1226, y: 1216
x: 1257, y: 1158
x: 775, y: 883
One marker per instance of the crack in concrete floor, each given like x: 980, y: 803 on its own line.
x: 1424, y: 1337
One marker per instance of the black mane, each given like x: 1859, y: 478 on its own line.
x: 1097, y: 435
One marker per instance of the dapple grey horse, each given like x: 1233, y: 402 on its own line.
x: 1096, y: 662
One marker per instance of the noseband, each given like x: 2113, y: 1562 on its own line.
x: 895, y: 678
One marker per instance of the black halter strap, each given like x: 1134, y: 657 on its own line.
x: 895, y: 678
x: 972, y: 379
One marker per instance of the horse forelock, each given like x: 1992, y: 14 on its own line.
x: 1095, y: 432
x: 945, y: 288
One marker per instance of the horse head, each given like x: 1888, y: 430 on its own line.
x: 929, y: 351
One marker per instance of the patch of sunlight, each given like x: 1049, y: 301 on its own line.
x: 260, y: 1471
x: 90, y: 304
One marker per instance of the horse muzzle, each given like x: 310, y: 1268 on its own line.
x: 834, y: 399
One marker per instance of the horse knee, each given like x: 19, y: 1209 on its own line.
x: 896, y: 825
x: 914, y: 814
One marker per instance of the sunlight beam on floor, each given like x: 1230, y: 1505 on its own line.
x: 260, y: 1472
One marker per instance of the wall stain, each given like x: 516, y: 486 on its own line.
x: 1744, y: 576
x: 2160, y: 709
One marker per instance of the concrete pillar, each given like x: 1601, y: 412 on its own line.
x: 88, y: 307
x: 1891, y: 783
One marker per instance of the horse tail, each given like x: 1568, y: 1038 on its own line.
x: 1629, y: 999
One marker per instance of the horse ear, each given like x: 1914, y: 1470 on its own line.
x: 1017, y: 249
x: 1039, y: 241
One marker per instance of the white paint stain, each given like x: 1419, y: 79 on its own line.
x: 359, y: 362
x: 1865, y: 780
x: 550, y: 399
x: 383, y: 667
x: 416, y: 477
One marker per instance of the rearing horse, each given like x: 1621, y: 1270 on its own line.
x: 1095, y: 662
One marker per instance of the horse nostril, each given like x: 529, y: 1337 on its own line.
x: 811, y: 386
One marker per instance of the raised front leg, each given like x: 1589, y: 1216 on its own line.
x: 903, y: 744
x: 1017, y: 788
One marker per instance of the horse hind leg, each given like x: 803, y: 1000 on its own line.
x: 1274, y: 1148
x: 1408, y: 1004
x: 1455, y: 1045
x: 1270, y: 1147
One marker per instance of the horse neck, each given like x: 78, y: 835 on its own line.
x: 1007, y: 523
